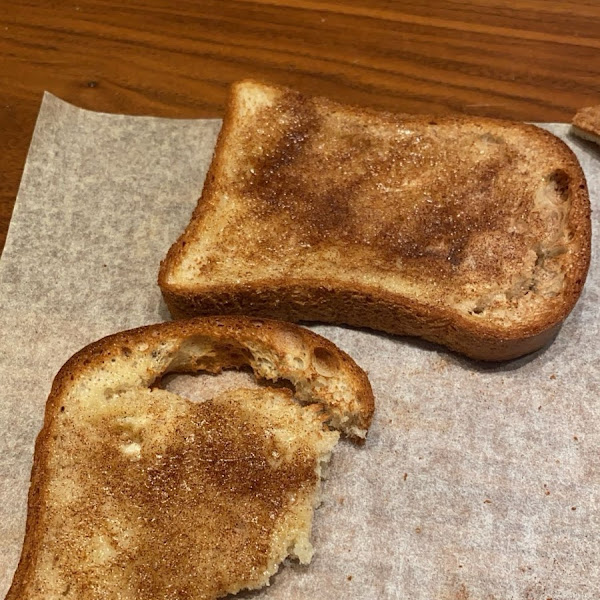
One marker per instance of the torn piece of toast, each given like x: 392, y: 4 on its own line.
x: 469, y: 232
x: 586, y: 123
x: 138, y: 493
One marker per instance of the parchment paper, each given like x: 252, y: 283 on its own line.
x: 476, y: 483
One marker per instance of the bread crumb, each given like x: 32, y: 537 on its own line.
x: 417, y: 530
x: 553, y: 376
x: 349, y: 578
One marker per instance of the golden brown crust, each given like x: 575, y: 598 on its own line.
x: 588, y: 120
x: 227, y: 330
x: 311, y: 301
x: 275, y: 189
x: 234, y: 341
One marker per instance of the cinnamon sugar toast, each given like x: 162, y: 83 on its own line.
x: 470, y: 232
x: 138, y: 493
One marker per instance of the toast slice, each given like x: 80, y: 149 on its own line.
x: 469, y: 232
x: 586, y: 124
x: 137, y: 493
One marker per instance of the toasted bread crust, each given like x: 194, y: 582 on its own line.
x: 353, y: 301
x: 360, y: 308
x: 237, y: 342
x: 587, y: 120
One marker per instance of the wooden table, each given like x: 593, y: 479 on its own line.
x: 539, y: 61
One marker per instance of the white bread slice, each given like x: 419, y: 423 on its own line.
x: 138, y: 493
x: 470, y: 232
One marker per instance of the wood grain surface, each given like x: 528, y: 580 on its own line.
x: 533, y: 60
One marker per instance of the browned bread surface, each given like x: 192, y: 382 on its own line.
x: 470, y: 232
x: 586, y: 123
x: 138, y: 493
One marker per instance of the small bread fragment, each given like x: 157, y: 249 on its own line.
x: 586, y: 123
x: 469, y: 232
x: 138, y: 493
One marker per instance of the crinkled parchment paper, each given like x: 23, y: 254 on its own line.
x: 476, y: 483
